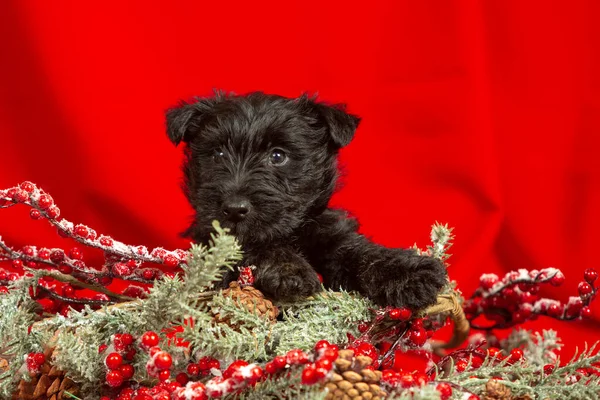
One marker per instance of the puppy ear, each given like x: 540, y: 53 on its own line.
x: 179, y: 121
x: 340, y: 124
x: 184, y: 121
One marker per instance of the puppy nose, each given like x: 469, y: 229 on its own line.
x: 236, y: 210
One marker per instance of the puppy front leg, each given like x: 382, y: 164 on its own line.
x: 397, y: 277
x: 283, y: 274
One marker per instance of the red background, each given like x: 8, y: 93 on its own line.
x: 484, y: 115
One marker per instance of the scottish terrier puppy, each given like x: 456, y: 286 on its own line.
x: 265, y: 166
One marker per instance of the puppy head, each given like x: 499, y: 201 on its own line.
x: 260, y: 164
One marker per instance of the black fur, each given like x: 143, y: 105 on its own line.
x: 278, y: 210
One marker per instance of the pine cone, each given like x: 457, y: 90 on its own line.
x: 48, y: 384
x: 252, y: 300
x: 351, y: 379
x: 495, y: 390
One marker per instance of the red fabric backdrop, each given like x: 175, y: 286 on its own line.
x: 487, y: 111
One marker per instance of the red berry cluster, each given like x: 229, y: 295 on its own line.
x: 515, y: 298
x: 118, y: 369
x: 34, y: 362
x: 325, y: 356
x: 202, y: 367
x: 122, y: 261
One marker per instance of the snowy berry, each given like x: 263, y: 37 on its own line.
x: 20, y: 196
x: 487, y: 281
x: 45, y: 201
x: 170, y: 261
x: 106, y: 241
x: 53, y: 212
x: 558, y: 279
x: 27, y: 186
x: 81, y: 230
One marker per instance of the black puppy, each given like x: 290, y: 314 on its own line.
x: 265, y: 166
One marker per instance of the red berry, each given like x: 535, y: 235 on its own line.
x: 57, y: 256
x: 127, y: 371
x: 554, y: 310
x: 461, y: 365
x: 212, y: 363
x: 309, y: 375
x: 68, y: 291
x: 20, y: 196
x: 331, y: 354
x: 586, y: 312
x: 182, y: 378
x: 516, y: 355
x: 17, y: 263
x: 445, y: 390
x: 45, y: 201
x: 3, y: 290
x: 584, y: 289
x: 76, y: 254
x: 473, y: 397
x: 27, y: 186
x: 39, y: 358
x: 270, y: 368
x: 170, y: 261
x: 322, y: 344
x: 126, y: 339
x: 102, y: 347
x: 164, y: 375
x: 53, y: 212
x: 324, y: 363
x: 418, y: 337
x: 193, y: 369
x: 557, y: 279
x: 113, y: 360
x: 394, y: 314
x: 363, y: 327
x: 280, y: 362
x: 234, y: 367
x: 296, y: 357
x: 35, y: 214
x: 405, y: 314
x: 203, y: 363
x: 114, y: 378
x: 163, y: 360
x: 148, y: 274
x: 495, y: 352
x: 590, y: 275
x: 548, y: 369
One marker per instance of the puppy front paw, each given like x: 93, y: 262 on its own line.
x: 289, y: 282
x: 414, y: 285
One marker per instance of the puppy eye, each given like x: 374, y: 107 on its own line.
x: 218, y: 155
x: 277, y: 157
